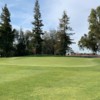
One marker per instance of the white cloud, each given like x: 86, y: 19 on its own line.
x: 77, y: 10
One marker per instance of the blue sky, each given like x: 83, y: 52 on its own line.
x: 51, y: 10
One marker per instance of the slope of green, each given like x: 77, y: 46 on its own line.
x: 49, y: 78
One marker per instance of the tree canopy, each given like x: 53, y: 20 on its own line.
x: 91, y: 40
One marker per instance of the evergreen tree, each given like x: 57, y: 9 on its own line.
x: 37, y: 31
x: 21, y: 45
x: 63, y: 37
x: 91, y: 41
x: 6, y: 33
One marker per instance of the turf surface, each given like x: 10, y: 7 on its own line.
x: 49, y: 78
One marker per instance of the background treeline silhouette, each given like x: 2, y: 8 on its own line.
x: 15, y: 42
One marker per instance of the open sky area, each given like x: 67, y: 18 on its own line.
x: 51, y: 10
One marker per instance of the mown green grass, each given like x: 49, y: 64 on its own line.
x: 49, y: 78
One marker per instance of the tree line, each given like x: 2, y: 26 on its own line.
x: 15, y: 42
x: 19, y: 43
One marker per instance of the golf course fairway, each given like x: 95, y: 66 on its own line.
x: 49, y: 78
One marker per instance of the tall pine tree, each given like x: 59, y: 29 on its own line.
x: 6, y: 33
x: 37, y: 30
x: 63, y: 37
